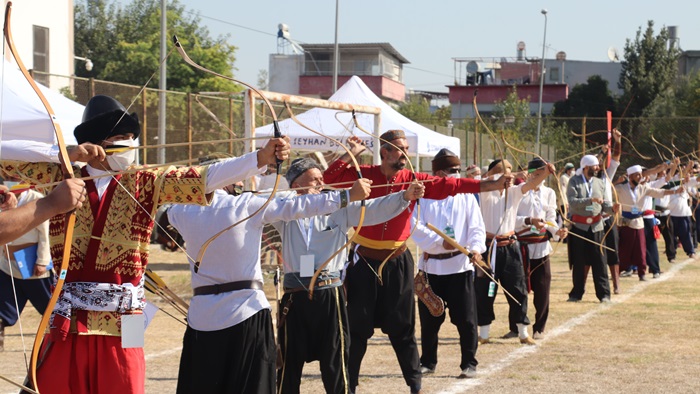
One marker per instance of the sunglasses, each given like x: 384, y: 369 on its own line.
x: 453, y: 170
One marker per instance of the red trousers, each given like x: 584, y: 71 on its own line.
x: 91, y: 364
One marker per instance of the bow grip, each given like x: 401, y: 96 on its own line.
x: 277, y: 134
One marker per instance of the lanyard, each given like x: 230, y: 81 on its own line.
x: 589, y: 189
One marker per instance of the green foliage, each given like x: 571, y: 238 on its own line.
x: 417, y: 108
x: 648, y: 71
x: 592, y: 98
x: 682, y: 100
x: 514, y: 112
x: 124, y: 45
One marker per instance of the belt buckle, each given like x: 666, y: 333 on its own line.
x: 324, y: 282
x: 589, y: 220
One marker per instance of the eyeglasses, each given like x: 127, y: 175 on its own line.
x: 453, y: 170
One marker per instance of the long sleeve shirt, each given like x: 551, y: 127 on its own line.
x: 541, y: 204
x: 499, y: 209
x: 320, y: 236
x: 678, y: 203
x: 392, y: 233
x: 461, y: 213
x: 235, y: 255
x: 39, y: 235
x: 632, y: 199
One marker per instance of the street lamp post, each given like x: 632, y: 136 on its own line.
x: 336, y: 52
x: 539, y: 107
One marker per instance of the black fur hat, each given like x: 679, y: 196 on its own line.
x: 100, y: 121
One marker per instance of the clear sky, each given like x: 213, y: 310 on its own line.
x: 430, y: 33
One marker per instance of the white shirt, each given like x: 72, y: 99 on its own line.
x: 678, y: 203
x: 648, y: 202
x: 493, y: 211
x: 541, y: 204
x: 460, y: 212
x: 235, y: 255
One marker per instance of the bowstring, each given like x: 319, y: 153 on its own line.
x: 7, y: 250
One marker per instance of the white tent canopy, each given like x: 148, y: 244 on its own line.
x: 23, y: 115
x: 421, y: 140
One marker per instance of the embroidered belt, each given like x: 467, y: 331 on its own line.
x: 441, y: 256
x: 320, y: 283
x: 380, y: 254
x: 528, y: 237
x: 228, y: 287
x: 585, y: 219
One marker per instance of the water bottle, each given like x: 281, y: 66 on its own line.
x: 492, y: 289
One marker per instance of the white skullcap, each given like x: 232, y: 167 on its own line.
x: 634, y: 169
x: 589, y: 160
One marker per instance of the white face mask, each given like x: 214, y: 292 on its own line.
x: 453, y: 176
x: 477, y: 177
x: 121, y: 161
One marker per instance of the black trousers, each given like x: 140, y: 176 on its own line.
x: 509, y: 272
x: 37, y: 291
x: 390, y: 306
x: 611, y: 241
x: 581, y: 254
x: 238, y: 359
x: 652, y: 252
x: 457, y: 290
x: 315, y: 330
x: 540, y: 283
x: 666, y: 228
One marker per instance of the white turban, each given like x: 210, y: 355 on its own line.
x: 634, y: 169
x: 589, y: 160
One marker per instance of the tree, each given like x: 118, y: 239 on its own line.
x: 124, y: 45
x: 592, y: 98
x: 417, y: 109
x: 648, y: 71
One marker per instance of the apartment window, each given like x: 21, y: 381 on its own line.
x: 554, y: 74
x: 41, y: 54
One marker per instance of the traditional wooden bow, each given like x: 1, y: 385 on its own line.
x: 277, y: 134
x: 320, y: 269
x: 70, y: 216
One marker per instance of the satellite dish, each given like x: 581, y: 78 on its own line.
x: 473, y: 67
x: 613, y: 55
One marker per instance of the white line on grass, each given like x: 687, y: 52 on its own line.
x: 168, y: 352
x: 523, y: 351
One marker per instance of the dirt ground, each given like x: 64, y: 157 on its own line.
x: 644, y: 341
